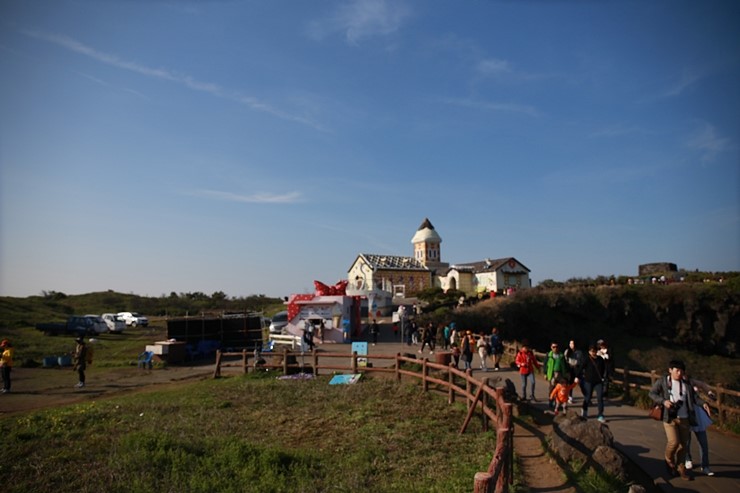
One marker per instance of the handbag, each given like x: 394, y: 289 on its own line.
x: 656, y: 412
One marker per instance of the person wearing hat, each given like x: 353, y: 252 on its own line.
x: 679, y: 402
x: 80, y: 361
x: 6, y: 363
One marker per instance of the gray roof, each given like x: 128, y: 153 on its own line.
x: 392, y: 262
x: 487, y: 265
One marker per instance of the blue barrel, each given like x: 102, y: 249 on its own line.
x: 65, y: 360
x: 50, y: 361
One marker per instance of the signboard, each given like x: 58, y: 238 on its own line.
x: 361, y: 349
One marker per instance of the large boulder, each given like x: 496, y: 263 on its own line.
x: 587, y: 441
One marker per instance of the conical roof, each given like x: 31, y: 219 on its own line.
x: 426, y: 233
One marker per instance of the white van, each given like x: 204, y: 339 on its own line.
x: 133, y: 319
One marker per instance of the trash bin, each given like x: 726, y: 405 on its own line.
x: 443, y: 358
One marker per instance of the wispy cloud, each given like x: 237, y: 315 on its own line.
x: 494, y: 106
x: 493, y: 67
x: 688, y: 78
x: 620, y: 130
x: 171, y: 76
x: 111, y: 86
x: 362, y: 19
x: 257, y: 198
x: 708, y: 142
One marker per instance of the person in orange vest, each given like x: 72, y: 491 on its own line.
x: 6, y: 363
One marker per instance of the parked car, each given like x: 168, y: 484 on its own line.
x: 76, y: 325
x: 97, y: 323
x: 133, y: 319
x: 115, y: 324
x: 279, y: 321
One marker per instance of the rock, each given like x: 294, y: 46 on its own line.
x: 587, y: 441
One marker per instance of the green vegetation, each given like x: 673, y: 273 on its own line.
x: 56, y: 307
x: 249, y: 434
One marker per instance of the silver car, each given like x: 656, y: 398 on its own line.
x: 115, y: 324
x: 279, y: 321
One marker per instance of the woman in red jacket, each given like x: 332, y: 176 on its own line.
x: 527, y: 363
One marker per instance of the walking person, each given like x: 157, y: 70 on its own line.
x: 446, y: 337
x: 555, y: 367
x: 466, y: 350
x: 574, y: 359
x: 703, y: 421
x: 374, y: 331
x: 497, y: 348
x: 80, y: 361
x: 6, y: 363
x: 592, y: 378
x: 679, y: 414
x: 561, y: 392
x: 482, y: 345
x: 527, y: 363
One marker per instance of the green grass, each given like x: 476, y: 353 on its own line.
x: 249, y: 434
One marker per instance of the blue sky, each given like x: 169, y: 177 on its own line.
x: 251, y: 147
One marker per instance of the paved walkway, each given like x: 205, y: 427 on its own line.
x: 637, y: 436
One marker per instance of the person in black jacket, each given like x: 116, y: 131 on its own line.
x: 679, y: 400
x: 592, y: 375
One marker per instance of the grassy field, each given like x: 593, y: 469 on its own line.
x: 248, y: 434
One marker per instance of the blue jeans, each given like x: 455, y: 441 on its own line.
x: 530, y: 377
x: 588, y: 390
x: 703, y: 448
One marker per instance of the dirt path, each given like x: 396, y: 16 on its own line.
x: 541, y: 473
x: 41, y: 388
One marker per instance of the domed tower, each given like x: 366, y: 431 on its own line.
x: 427, y: 245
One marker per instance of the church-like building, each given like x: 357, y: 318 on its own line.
x: 398, y: 276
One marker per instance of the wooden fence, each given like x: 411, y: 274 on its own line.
x: 493, y: 408
x: 630, y: 380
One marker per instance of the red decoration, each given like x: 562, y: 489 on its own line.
x: 339, y: 289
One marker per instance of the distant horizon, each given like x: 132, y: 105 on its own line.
x: 230, y: 296
x: 259, y: 146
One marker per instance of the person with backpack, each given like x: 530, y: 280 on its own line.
x: 527, y: 363
x: 592, y: 375
x: 80, y: 361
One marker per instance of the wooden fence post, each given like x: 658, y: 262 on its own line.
x: 285, y: 361
x: 217, y: 370
x: 315, y: 364
x: 626, y: 385
x: 653, y: 377
x: 720, y: 414
x: 483, y: 483
x: 398, y: 367
x: 451, y: 381
x: 244, y: 360
x: 425, y: 374
x: 468, y: 383
x: 354, y: 362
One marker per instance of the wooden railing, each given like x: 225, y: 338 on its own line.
x: 630, y: 379
x: 478, y: 393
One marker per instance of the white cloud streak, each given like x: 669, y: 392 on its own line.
x: 257, y: 198
x: 708, y: 143
x: 171, y: 76
x: 494, y: 106
x: 362, y: 19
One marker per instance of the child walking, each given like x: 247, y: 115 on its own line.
x: 561, y: 392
